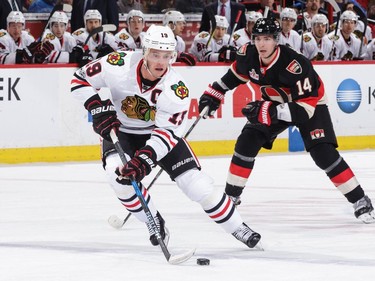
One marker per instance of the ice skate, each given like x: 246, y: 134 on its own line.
x: 247, y: 236
x: 363, y: 210
x: 164, y: 232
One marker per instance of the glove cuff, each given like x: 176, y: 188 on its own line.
x: 94, y: 100
x: 214, y: 93
x: 148, y: 155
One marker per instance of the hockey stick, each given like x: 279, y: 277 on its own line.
x: 114, y: 220
x: 363, y: 18
x: 175, y: 259
x: 213, y: 27
x: 103, y: 28
x: 235, y: 25
x: 67, y: 8
x: 337, y: 9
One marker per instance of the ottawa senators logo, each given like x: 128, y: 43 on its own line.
x: 137, y: 107
x: 317, y: 134
x: 116, y: 58
x: 180, y: 90
x: 294, y: 67
x: 242, y: 49
x: 124, y: 36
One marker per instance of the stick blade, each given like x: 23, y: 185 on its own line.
x: 109, y: 27
x: 180, y: 258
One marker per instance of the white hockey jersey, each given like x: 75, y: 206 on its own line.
x: 160, y: 110
x: 240, y: 37
x: 8, y: 46
x: 311, y: 49
x: 126, y: 41
x: 292, y: 39
x: 80, y: 35
x: 343, y: 49
x: 203, y: 52
x: 180, y: 44
x: 370, y: 50
x: 63, y: 47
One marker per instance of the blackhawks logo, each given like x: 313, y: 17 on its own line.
x: 50, y: 36
x: 124, y: 36
x: 137, y: 107
x: 116, y: 58
x: 180, y: 90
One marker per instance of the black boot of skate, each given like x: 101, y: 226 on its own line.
x: 160, y: 223
x: 247, y: 236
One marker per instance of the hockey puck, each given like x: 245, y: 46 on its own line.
x: 203, y: 261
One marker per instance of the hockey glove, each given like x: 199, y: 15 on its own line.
x: 140, y: 165
x: 211, y: 98
x: 75, y: 56
x: 42, y: 51
x: 104, y: 117
x: 103, y: 50
x: 261, y: 112
x: 227, y: 54
x: 86, y: 58
x: 187, y: 58
x: 23, y: 56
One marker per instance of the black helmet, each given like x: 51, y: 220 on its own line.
x: 267, y: 26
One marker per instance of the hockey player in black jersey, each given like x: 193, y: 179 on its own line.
x: 292, y: 94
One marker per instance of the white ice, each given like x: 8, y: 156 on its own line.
x: 53, y: 226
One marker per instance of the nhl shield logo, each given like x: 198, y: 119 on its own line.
x: 294, y: 67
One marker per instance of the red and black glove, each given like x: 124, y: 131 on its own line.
x: 227, y: 54
x: 187, y: 58
x: 211, y: 98
x: 140, y: 165
x: 104, y: 50
x: 261, y: 112
x: 23, y: 56
x: 43, y: 50
x: 104, y: 117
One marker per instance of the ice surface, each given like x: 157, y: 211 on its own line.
x: 53, y: 226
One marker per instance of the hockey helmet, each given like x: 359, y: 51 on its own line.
x: 320, y: 18
x: 221, y: 21
x: 173, y: 17
x: 159, y: 37
x: 253, y: 16
x: 267, y: 26
x: 288, y: 13
x: 15, y: 16
x: 348, y: 15
x: 134, y: 13
x: 92, y: 15
x: 60, y: 17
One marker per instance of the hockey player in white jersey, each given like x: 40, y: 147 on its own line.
x: 101, y: 43
x: 56, y: 43
x: 243, y: 35
x: 288, y: 36
x: 176, y: 21
x: 148, y: 108
x: 370, y: 50
x: 316, y: 44
x: 215, y: 49
x: 347, y: 46
x: 131, y: 37
x: 14, y: 41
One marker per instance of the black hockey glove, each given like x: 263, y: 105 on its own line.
x: 75, y: 56
x: 104, y: 117
x: 347, y: 56
x: 23, y: 56
x: 261, y: 112
x: 187, y: 58
x: 103, y: 50
x: 227, y: 54
x: 139, y: 166
x: 43, y: 50
x: 211, y: 98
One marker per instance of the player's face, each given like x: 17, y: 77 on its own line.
x: 136, y: 25
x: 58, y: 29
x: 287, y: 24
x: 319, y: 29
x: 265, y: 45
x: 313, y: 5
x: 91, y: 24
x: 219, y: 33
x: 15, y: 30
x: 158, y: 61
x: 348, y: 26
x: 179, y: 28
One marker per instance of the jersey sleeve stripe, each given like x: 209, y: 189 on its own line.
x: 166, y: 136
